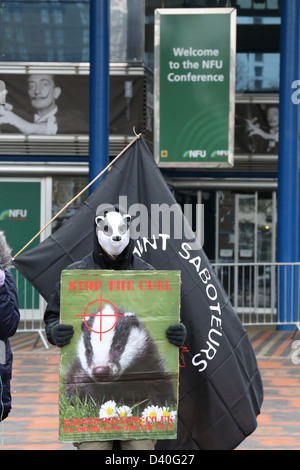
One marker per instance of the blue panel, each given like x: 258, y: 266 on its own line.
x: 99, y: 88
x: 288, y: 185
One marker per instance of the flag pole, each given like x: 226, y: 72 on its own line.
x: 79, y: 194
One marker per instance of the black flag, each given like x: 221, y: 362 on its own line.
x: 220, y: 393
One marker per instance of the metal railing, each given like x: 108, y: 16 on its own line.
x: 263, y: 293
x: 31, y: 307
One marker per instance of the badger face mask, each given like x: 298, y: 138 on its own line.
x: 112, y: 231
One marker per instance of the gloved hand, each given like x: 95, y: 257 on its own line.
x: 62, y: 334
x: 176, y: 334
x: 2, y: 277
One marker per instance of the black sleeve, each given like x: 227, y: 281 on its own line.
x: 9, y: 308
x: 52, y: 312
x: 138, y: 264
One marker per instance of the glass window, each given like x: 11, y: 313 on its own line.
x: 40, y: 31
x: 64, y: 189
x: 258, y: 5
x: 199, y: 209
x: 126, y: 31
x: 226, y: 226
x: 59, y: 31
x: 257, y: 65
x: 248, y: 69
x: 265, y: 227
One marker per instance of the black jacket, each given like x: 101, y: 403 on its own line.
x: 97, y: 259
x: 9, y: 320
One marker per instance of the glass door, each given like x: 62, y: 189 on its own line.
x: 245, y: 250
x: 246, y: 228
x: 245, y: 247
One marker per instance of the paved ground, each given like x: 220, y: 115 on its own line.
x: 33, y: 422
x: 279, y: 423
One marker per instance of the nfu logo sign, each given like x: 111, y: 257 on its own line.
x: 13, y: 214
x: 194, y: 154
x: 219, y: 153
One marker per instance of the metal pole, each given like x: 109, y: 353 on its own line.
x: 99, y: 87
x: 288, y: 186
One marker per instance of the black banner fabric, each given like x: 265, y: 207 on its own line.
x: 220, y: 392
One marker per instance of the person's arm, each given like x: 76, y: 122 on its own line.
x: 57, y: 333
x: 9, y: 117
x: 9, y: 308
x: 255, y: 130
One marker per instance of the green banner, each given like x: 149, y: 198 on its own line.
x: 119, y: 374
x: 20, y: 214
x: 194, y: 87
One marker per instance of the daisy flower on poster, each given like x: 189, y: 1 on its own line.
x: 108, y: 410
x: 166, y: 414
x: 152, y: 412
x: 124, y: 411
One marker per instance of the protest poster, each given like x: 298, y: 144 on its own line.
x: 119, y: 374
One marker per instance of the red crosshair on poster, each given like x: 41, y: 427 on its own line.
x: 100, y: 314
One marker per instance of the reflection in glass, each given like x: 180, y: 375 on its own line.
x: 226, y: 226
x: 58, y: 31
x: 64, y: 189
x: 245, y: 242
x: 257, y: 72
x: 246, y: 228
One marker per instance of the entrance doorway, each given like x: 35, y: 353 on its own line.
x: 240, y: 240
x: 245, y: 227
x: 246, y: 243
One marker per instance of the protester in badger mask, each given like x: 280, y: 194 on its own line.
x: 9, y: 320
x: 113, y: 249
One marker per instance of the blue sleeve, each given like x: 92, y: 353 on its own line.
x: 9, y: 307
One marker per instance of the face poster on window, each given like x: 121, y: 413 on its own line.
x: 256, y: 128
x: 56, y: 104
x: 119, y: 374
x: 45, y: 104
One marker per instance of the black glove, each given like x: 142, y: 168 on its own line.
x: 176, y: 334
x: 62, y: 334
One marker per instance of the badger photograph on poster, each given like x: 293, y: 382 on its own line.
x: 119, y: 374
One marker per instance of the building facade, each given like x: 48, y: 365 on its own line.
x: 45, y: 167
